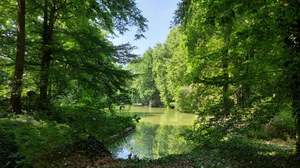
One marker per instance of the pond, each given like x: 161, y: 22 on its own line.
x: 157, y: 134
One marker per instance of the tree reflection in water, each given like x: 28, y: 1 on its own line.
x: 157, y: 135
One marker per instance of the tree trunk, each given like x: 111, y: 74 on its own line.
x: 48, y: 26
x: 15, y: 99
x: 227, y: 103
x: 226, y: 100
x: 244, y: 92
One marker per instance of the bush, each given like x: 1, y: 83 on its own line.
x: 185, y: 100
x: 87, y: 122
x: 28, y: 138
x: 281, y: 126
x: 8, y: 145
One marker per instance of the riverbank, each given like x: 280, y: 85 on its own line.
x: 240, y: 152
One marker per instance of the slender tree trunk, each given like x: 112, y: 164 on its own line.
x: 48, y: 26
x: 227, y: 104
x: 226, y: 100
x: 245, y: 90
x: 15, y: 99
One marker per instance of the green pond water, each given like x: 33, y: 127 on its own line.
x: 157, y: 134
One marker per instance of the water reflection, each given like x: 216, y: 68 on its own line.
x: 157, y: 134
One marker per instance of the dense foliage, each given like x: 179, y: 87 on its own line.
x: 67, y: 49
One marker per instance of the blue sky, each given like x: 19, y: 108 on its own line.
x: 159, y: 14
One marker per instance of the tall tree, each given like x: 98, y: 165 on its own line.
x: 144, y: 82
x: 159, y: 69
x: 60, y: 15
x: 50, y: 16
x: 15, y: 100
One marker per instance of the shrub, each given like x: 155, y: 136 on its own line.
x: 8, y: 145
x: 87, y: 122
x: 28, y: 138
x: 281, y: 126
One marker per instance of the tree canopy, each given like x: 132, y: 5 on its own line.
x: 67, y: 48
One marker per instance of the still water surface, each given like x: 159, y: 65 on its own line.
x: 156, y: 135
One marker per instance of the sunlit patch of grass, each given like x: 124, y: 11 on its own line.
x: 288, y: 144
x: 278, y: 144
x: 273, y: 153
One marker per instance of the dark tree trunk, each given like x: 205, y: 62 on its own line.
x: 48, y: 26
x: 244, y: 95
x: 226, y: 99
x: 15, y: 99
x: 244, y: 92
x: 227, y: 103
